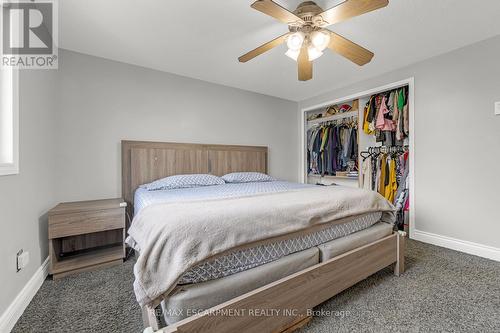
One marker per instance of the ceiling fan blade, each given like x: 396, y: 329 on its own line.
x: 305, y: 66
x: 271, y: 8
x: 263, y: 48
x: 350, y: 50
x: 349, y: 9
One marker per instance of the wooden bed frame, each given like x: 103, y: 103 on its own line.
x: 143, y: 162
x: 292, y: 297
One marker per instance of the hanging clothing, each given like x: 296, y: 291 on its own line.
x: 402, y: 192
x: 390, y: 103
x: 401, y: 99
x: 388, y: 111
x: 383, y: 123
x: 406, y: 120
x: 323, y: 153
x: 332, y: 148
x: 396, y: 111
x: 366, y: 122
x: 392, y: 185
x: 367, y: 173
x: 383, y: 170
x: 371, y: 110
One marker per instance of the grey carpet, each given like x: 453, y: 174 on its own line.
x: 441, y: 291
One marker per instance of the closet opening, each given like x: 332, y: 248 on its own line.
x: 365, y: 140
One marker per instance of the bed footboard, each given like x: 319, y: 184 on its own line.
x: 286, y: 304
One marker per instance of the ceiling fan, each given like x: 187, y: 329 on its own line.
x: 308, y: 37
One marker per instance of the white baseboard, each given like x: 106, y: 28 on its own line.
x: 19, y: 304
x: 480, y: 250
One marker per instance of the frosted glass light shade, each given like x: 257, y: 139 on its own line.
x: 294, y: 54
x: 314, y: 53
x: 295, y: 41
x: 320, y: 40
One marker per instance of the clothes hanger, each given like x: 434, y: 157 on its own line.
x: 365, y: 156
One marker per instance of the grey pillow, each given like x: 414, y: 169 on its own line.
x: 247, y: 177
x: 183, y: 181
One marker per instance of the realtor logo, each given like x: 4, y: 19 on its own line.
x: 29, y: 33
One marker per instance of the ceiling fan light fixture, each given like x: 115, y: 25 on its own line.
x: 313, y: 53
x: 293, y: 54
x: 320, y: 40
x: 308, y: 38
x: 295, y: 41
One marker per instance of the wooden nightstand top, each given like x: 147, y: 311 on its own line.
x: 84, y: 206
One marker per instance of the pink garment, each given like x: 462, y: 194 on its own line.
x: 407, y: 204
x: 382, y: 123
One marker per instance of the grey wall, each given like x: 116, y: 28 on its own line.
x: 457, y: 140
x: 103, y: 102
x: 25, y: 198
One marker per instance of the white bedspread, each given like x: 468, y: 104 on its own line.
x: 144, y: 198
x: 173, y: 237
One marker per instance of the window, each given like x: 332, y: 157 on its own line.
x: 9, y: 122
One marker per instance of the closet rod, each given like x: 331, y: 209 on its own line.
x: 386, y: 149
x: 337, y: 116
x: 335, y: 121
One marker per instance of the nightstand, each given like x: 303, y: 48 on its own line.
x: 86, y: 235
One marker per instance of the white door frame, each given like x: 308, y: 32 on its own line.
x: 411, y: 96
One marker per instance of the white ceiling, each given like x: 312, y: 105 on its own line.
x: 203, y: 39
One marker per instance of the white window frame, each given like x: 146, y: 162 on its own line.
x: 12, y: 167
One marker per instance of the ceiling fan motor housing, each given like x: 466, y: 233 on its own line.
x: 308, y: 11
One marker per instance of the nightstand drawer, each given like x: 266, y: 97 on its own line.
x: 70, y: 224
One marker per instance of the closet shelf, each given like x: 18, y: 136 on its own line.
x: 332, y: 177
x: 352, y: 113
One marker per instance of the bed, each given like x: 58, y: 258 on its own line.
x: 286, y: 273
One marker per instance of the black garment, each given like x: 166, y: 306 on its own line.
x: 387, y: 171
x: 331, y: 152
x: 354, y: 141
x: 373, y: 109
x: 316, y: 149
x: 324, y: 159
x: 352, y: 152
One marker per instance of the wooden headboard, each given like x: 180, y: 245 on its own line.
x: 143, y: 162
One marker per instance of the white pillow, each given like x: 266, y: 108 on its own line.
x: 183, y: 181
x: 247, y: 177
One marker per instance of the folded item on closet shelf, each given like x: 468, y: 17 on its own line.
x: 345, y: 108
x: 333, y: 109
x: 315, y: 116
